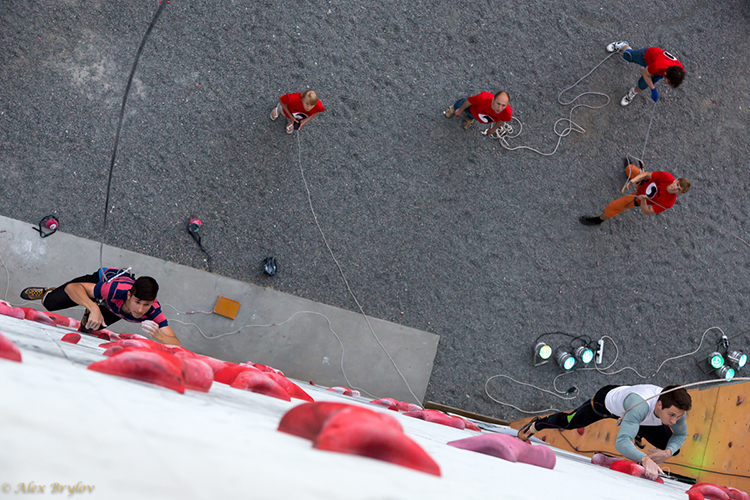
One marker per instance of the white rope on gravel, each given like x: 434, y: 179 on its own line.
x: 341, y: 271
x: 572, y: 126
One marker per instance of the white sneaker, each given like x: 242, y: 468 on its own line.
x: 617, y: 46
x: 628, y: 98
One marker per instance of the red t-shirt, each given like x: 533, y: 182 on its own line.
x: 481, y: 109
x: 294, y: 103
x: 656, y: 190
x: 659, y: 60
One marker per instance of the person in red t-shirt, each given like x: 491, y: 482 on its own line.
x: 657, y: 64
x: 656, y: 192
x: 486, y: 108
x: 298, y: 109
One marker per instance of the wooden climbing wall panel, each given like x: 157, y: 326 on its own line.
x: 717, y: 449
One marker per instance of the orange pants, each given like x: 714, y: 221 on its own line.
x: 625, y: 202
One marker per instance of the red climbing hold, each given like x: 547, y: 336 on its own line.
x: 214, y: 363
x: 197, y: 375
x: 59, y: 319
x: 290, y: 387
x: 346, y: 428
x: 306, y: 420
x: 266, y: 369
x: 8, y: 349
x: 229, y: 373
x: 711, y: 491
x: 438, y: 417
x: 632, y: 468
x: 146, y: 366
x: 366, y: 433
x: 255, y: 381
x: 38, y: 316
x: 72, y: 338
x: 8, y: 310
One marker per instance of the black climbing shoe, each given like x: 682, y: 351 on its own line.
x: 589, y: 221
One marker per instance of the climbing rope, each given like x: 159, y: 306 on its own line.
x: 572, y: 126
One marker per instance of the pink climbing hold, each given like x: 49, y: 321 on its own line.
x: 603, y: 460
x: 468, y: 424
x: 71, y: 338
x: 256, y: 381
x: 363, y: 432
x: 344, y: 390
x: 8, y: 349
x: 437, y: 417
x: 388, y: 403
x: 395, y: 405
x: 401, y: 406
x: 198, y: 376
x: 146, y: 366
x: 508, y: 448
x: 14, y: 312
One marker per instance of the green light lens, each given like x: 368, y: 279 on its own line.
x: 716, y: 360
x: 569, y: 363
x: 587, y: 356
x: 545, y: 351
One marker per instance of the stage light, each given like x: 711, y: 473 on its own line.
x: 716, y: 360
x: 737, y: 359
x: 565, y: 359
x: 543, y: 351
x: 725, y: 372
x: 584, y: 354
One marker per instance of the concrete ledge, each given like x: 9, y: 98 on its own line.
x: 295, y: 339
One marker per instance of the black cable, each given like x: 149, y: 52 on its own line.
x: 162, y: 4
x: 197, y: 238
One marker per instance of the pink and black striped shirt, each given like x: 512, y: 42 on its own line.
x: 114, y: 294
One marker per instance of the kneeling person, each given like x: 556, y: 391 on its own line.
x: 661, y: 421
x: 107, y: 302
x: 486, y: 108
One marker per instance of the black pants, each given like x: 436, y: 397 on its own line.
x: 57, y: 299
x: 594, y: 410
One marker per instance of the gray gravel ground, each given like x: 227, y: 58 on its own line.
x: 436, y: 228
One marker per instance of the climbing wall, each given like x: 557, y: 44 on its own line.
x: 717, y: 449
